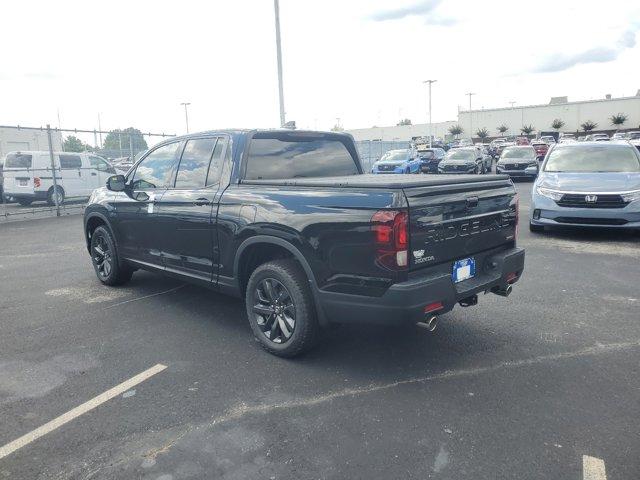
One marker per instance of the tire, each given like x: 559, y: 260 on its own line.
x: 535, y: 228
x: 281, y: 286
x: 50, y: 199
x: 478, y: 170
x: 105, y: 260
x: 25, y: 202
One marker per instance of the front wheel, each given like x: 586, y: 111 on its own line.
x: 104, y: 257
x: 55, y: 196
x: 280, y: 308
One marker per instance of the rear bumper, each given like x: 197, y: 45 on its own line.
x: 26, y: 195
x: 404, y: 302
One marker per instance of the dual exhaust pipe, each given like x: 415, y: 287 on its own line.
x: 430, y: 322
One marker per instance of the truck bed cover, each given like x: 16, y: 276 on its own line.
x: 381, y: 181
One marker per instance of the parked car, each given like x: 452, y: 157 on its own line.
x: 463, y: 160
x: 567, y: 137
x: 523, y: 141
x: 619, y: 136
x: 502, y: 146
x: 518, y: 161
x: 549, y: 139
x: 588, y: 184
x: 398, y: 161
x: 28, y: 175
x: 493, y: 146
x: 286, y: 220
x: 486, y: 157
x: 634, y: 139
x: 597, y: 137
x: 430, y: 158
x: 541, y: 149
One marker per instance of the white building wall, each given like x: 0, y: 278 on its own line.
x: 12, y: 139
x: 402, y: 133
x: 541, y: 116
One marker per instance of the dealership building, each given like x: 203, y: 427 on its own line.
x: 573, y: 114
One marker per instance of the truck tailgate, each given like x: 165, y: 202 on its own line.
x: 451, y: 222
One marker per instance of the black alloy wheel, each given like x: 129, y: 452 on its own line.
x: 102, y: 257
x: 274, y: 310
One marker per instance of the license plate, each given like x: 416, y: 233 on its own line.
x: 463, y: 269
x: 23, y: 182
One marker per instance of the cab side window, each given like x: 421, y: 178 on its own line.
x: 215, y: 168
x: 156, y: 170
x: 70, y: 162
x: 101, y: 165
x: 194, y: 164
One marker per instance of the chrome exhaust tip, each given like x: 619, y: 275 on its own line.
x: 503, y: 292
x: 430, y: 323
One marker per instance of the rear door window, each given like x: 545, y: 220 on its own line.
x: 18, y: 160
x: 101, y: 165
x: 298, y: 155
x: 194, y: 164
x: 70, y: 162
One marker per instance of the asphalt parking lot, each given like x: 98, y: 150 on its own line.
x: 523, y: 387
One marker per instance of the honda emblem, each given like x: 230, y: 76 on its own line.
x: 591, y: 198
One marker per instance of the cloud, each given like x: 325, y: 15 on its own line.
x: 560, y: 62
x: 425, y: 8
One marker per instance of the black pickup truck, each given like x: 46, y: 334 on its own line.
x: 288, y: 221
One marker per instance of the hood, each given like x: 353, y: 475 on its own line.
x: 527, y: 161
x: 393, y: 163
x: 457, y: 162
x: 590, y: 182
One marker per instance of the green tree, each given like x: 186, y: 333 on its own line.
x: 74, y: 144
x: 557, y: 124
x: 502, y: 129
x: 528, y: 129
x: 588, y: 126
x: 337, y: 128
x: 455, y: 130
x: 404, y: 121
x: 112, y: 140
x: 618, y: 120
x: 482, y: 133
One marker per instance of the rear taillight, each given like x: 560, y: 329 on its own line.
x: 517, y: 199
x: 36, y: 182
x: 391, y: 237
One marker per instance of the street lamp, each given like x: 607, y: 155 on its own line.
x: 470, y: 116
x: 430, y: 82
x: 276, y: 8
x: 186, y: 114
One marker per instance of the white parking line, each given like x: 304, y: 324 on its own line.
x: 79, y: 410
x: 146, y: 296
x: 593, y: 468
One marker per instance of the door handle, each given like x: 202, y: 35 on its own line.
x: 201, y: 202
x: 93, y: 174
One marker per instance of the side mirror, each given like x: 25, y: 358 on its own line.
x: 116, y: 183
x: 531, y: 171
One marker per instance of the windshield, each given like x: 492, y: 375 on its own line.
x: 519, y: 153
x: 461, y: 155
x: 398, y: 155
x: 586, y: 158
x: 427, y: 154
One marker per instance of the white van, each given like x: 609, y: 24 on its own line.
x: 28, y: 175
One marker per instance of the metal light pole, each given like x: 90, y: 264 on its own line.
x: 186, y: 114
x: 470, y: 117
x: 430, y: 82
x: 276, y: 7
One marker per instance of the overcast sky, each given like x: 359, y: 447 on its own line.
x: 361, y: 61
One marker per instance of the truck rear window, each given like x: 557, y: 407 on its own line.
x: 282, y: 156
x: 18, y: 160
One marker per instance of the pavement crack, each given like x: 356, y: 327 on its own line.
x: 242, y: 409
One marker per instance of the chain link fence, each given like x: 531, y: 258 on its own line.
x: 47, y: 171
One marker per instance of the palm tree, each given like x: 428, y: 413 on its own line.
x: 502, y: 128
x: 455, y: 130
x: 588, y: 126
x: 557, y: 124
x: 527, y: 129
x: 618, y: 120
x: 482, y: 133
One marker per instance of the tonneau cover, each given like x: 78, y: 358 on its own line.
x: 380, y: 181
